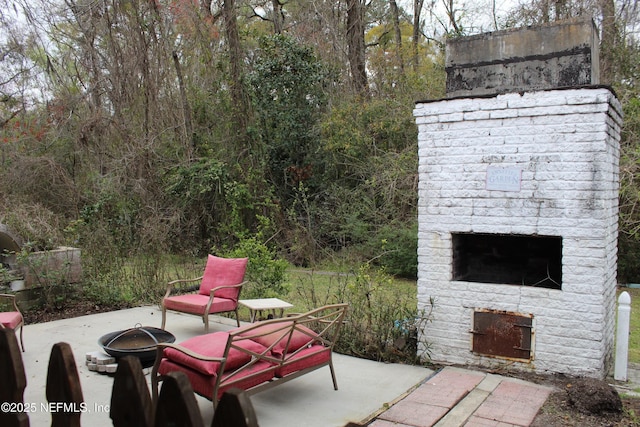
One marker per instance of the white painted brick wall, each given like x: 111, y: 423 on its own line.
x: 566, y: 143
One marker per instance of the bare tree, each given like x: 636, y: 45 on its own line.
x: 535, y: 12
x: 395, y: 16
x: 235, y: 64
x: 355, y: 41
x: 608, y: 42
x: 278, y: 17
x: 205, y: 7
x: 14, y: 70
x: 417, y: 23
x: 453, y: 17
x: 188, y: 125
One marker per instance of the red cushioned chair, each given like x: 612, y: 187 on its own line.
x: 12, y: 319
x: 219, y: 290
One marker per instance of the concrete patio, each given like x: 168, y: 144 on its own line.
x: 365, y: 387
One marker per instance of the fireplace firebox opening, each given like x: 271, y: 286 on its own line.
x: 508, y: 259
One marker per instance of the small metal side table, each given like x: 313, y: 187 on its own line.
x: 257, y: 306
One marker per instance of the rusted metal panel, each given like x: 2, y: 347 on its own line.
x: 502, y: 334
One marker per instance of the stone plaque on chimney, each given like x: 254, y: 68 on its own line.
x: 559, y: 55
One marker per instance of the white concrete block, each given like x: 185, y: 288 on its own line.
x: 92, y: 354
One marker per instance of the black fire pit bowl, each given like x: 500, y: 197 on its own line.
x: 140, y: 341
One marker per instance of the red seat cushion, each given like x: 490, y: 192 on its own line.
x: 258, y: 373
x: 306, y: 358
x: 196, y: 304
x: 223, y: 272
x: 213, y: 345
x: 277, y: 334
x: 201, y: 384
x: 10, y: 319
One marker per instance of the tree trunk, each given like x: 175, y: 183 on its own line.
x: 398, y: 34
x: 205, y: 6
x: 417, y: 11
x: 608, y: 43
x: 545, y: 11
x: 235, y: 63
x: 188, y: 127
x: 450, y: 10
x: 277, y: 17
x: 355, y: 40
x: 561, y: 9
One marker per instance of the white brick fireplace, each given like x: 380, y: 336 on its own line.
x: 517, y: 239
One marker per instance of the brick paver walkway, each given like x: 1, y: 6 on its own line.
x: 457, y: 397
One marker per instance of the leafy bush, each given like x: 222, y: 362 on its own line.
x: 288, y: 92
x: 628, y: 260
x: 355, y: 133
x: 38, y: 227
x: 198, y: 192
x: 117, y: 216
x: 134, y: 280
x: 381, y: 325
x: 211, y: 206
x: 266, y: 273
x: 629, y: 199
x: 51, y: 277
x: 382, y: 322
x: 397, y: 246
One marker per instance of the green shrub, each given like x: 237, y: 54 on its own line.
x: 628, y: 259
x: 287, y: 87
x: 118, y: 219
x: 397, y: 245
x: 55, y: 289
x: 38, y: 227
x: 266, y: 273
x: 134, y: 280
x: 382, y: 322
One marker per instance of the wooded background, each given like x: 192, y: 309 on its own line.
x: 133, y: 127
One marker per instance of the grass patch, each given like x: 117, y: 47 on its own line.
x: 634, y: 333
x: 313, y: 288
x: 310, y: 289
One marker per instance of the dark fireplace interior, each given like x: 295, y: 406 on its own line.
x: 508, y: 259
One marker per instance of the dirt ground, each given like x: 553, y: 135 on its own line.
x: 72, y: 308
x: 557, y: 412
x: 564, y: 408
x: 579, y: 402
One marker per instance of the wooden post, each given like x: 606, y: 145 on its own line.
x: 64, y: 393
x: 13, y: 381
x: 130, y: 400
x: 234, y: 410
x: 622, y: 337
x: 177, y: 405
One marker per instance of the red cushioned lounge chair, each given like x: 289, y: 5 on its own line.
x: 12, y: 319
x: 219, y: 290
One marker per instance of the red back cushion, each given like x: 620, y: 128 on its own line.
x: 274, y: 333
x: 212, y: 345
x: 221, y: 272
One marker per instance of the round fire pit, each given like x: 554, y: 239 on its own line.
x: 140, y: 341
